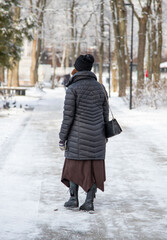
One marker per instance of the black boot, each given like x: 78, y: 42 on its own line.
x: 88, y: 204
x: 73, y: 201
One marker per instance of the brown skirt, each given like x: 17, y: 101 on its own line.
x: 84, y: 173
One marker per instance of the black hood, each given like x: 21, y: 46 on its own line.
x: 81, y: 75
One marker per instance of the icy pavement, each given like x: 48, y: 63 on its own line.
x: 134, y: 204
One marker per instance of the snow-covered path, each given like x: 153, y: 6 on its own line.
x: 133, y: 206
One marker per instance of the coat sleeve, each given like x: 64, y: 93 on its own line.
x: 68, y: 115
x: 105, y: 107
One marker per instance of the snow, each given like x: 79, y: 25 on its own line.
x: 133, y: 205
x: 163, y: 65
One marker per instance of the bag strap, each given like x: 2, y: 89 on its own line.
x: 107, y: 101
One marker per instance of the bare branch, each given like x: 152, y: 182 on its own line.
x: 85, y: 24
x: 38, y: 2
x: 31, y: 6
x: 140, y: 4
x: 136, y: 15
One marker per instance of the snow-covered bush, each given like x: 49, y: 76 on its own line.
x: 151, y: 95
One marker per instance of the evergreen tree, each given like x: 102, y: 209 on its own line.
x: 12, y: 32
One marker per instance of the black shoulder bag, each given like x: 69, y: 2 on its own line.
x: 112, y: 127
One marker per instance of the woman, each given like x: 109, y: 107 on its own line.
x: 82, y: 133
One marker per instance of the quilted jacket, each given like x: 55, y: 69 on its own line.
x: 85, y: 112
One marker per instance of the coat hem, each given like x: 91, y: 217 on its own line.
x: 85, y: 158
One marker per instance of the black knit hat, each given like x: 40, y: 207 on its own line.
x: 84, y: 62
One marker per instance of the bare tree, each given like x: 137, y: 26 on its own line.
x: 142, y: 20
x: 119, y: 26
x: 79, y: 20
x: 73, y: 5
x: 38, y: 9
x: 156, y: 33
x: 101, y: 45
x: 66, y: 30
x: 114, y: 71
x: 149, y: 50
x: 81, y: 35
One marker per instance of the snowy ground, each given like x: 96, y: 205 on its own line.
x: 134, y: 204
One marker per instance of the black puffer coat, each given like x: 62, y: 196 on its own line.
x: 85, y: 112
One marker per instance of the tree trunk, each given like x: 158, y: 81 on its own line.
x: 63, y: 57
x: 9, y: 77
x: 159, y: 48
x: 141, y: 51
x: 13, y: 73
x: 141, y: 42
x: 16, y: 75
x: 157, y: 42
x: 67, y: 57
x: 122, y: 56
x: 154, y: 47
x: 149, y: 55
x: 33, y: 70
x: 127, y: 58
x: 72, y: 17
x: 36, y: 49
x: 114, y: 72
x: 2, y: 75
x: 114, y: 79
x: 101, y: 47
x: 78, y: 48
x: 54, y: 66
x: 38, y: 53
x: 67, y: 46
x: 101, y: 53
x: 15, y: 69
x: 119, y: 16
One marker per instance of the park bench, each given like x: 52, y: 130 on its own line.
x: 21, y: 91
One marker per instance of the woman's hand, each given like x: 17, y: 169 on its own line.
x: 62, y: 145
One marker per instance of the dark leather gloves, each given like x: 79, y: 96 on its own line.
x: 62, y: 145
